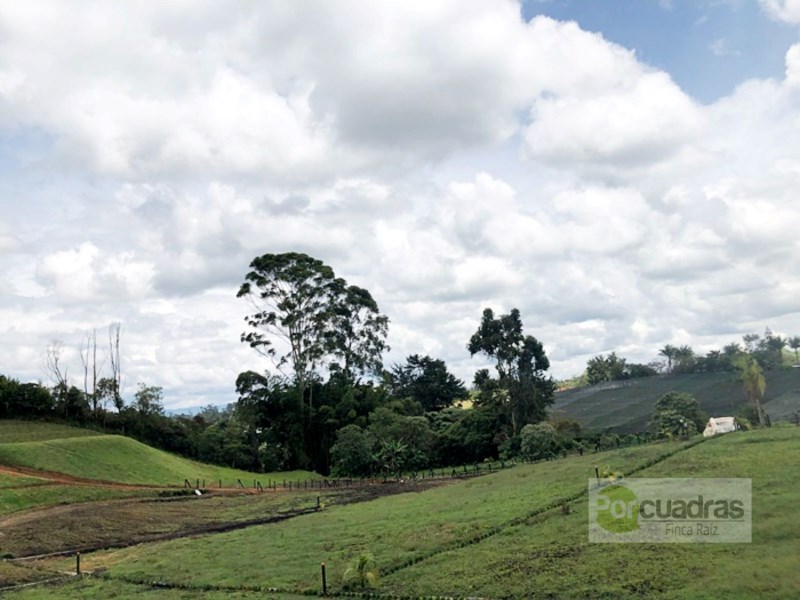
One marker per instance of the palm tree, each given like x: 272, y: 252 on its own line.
x: 668, y: 352
x: 794, y: 344
x: 363, y: 573
x: 685, y: 358
x: 754, y: 385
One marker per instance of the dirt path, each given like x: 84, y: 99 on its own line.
x: 61, y: 478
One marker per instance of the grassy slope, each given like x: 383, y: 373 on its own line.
x: 29, y: 431
x: 98, y: 589
x: 121, y: 459
x: 626, y: 406
x: 84, y: 453
x: 547, y: 555
x: 551, y: 555
x: 394, y: 529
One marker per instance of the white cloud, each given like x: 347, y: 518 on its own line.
x: 783, y: 10
x: 447, y: 156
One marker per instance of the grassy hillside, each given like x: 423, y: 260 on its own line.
x: 626, y: 406
x: 28, y: 431
x: 113, y: 458
x: 395, y: 529
x: 551, y: 554
x: 494, y: 537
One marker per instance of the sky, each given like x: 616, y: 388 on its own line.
x: 624, y: 172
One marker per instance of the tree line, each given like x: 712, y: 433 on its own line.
x: 767, y: 350
x: 326, y: 402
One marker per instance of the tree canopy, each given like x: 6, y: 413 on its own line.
x: 426, y: 380
x: 521, y: 365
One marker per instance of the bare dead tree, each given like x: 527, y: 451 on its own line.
x: 53, y: 366
x: 114, y: 335
x: 91, y: 369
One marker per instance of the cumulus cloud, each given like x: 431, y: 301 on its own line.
x: 447, y: 156
x: 783, y: 10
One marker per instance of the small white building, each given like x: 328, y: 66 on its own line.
x: 718, y: 425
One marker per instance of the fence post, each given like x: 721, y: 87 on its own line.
x: 324, y: 581
x: 77, y: 563
x: 186, y: 483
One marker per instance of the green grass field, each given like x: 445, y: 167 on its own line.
x: 113, y: 458
x: 497, y: 536
x: 12, y: 480
x: 14, y: 500
x: 415, y: 538
x: 551, y: 553
x: 395, y: 529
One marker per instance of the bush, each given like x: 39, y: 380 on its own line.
x: 538, y: 441
x: 351, y: 454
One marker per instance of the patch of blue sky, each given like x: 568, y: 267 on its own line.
x: 708, y: 47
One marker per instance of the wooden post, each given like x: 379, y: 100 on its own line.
x: 220, y: 483
x: 597, y: 475
x: 77, y: 563
x: 324, y: 581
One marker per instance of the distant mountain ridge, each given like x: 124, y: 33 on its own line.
x: 626, y: 406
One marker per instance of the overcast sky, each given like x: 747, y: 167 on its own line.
x: 624, y: 172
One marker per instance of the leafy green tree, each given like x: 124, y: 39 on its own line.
x: 291, y: 295
x: 108, y: 391
x: 268, y: 404
x: 23, y: 399
x: 794, y: 344
x: 427, y: 381
x: 304, y: 314
x: 351, y: 455
x: 684, y: 359
x: 521, y: 365
x: 356, y: 335
x: 468, y: 436
x: 148, y: 400
x: 677, y: 413
x: 538, y: 441
x: 751, y: 342
x: 392, y: 431
x: 605, y: 368
x: 755, y: 386
x: 774, y: 346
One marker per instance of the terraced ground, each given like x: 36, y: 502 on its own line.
x: 627, y: 406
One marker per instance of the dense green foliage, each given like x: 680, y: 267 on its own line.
x: 678, y: 414
x: 522, y: 386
